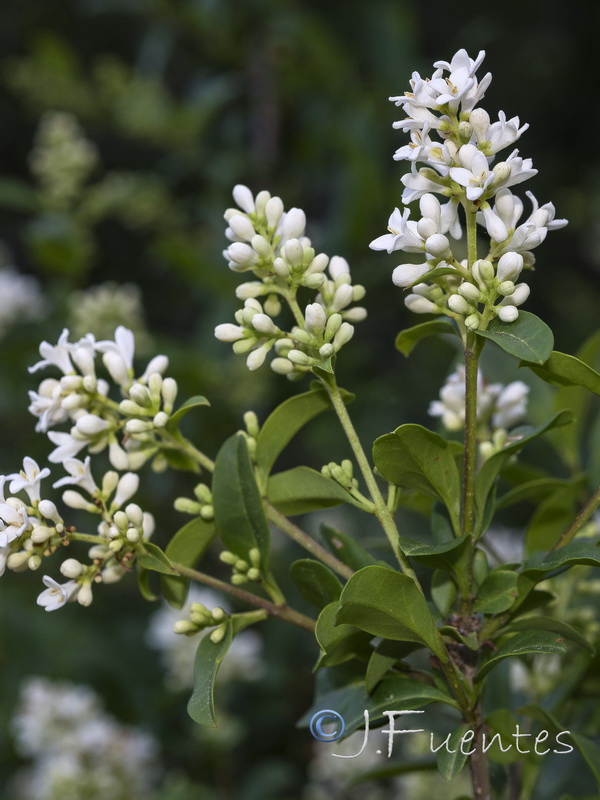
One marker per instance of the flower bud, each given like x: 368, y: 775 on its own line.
x: 185, y: 627
x: 419, y: 305
x: 470, y: 292
x: 480, y: 122
x: 472, y: 322
x: 501, y: 172
x: 300, y: 358
x: 509, y: 267
x: 135, y: 426
x: 41, y: 534
x: 282, y: 366
x: 518, y: 297
x: 131, y: 409
x: 508, y: 313
x: 261, y: 246
x: 49, y: 511
x: 71, y: 568
x: 506, y: 288
x: 75, y: 500
x: 319, y: 264
x: 132, y: 535
x: 294, y: 224
x: 256, y: 358
x: 243, y: 197
x: 91, y: 425
x: 314, y: 281
x: 264, y: 324
x: 458, y: 304
x: 169, y: 393
x: 187, y: 506
x: 281, y: 268
x: 465, y: 131
x: 342, y: 297
x: 345, y: 333
x: 272, y: 305
x: 274, y: 211
x: 242, y: 227
x: 244, y: 345
x: 251, y: 289
x: 18, y: 561
x: 116, y: 367
x: 315, y: 317
x: 293, y: 252
x: 483, y: 271
x: 126, y: 488
x: 333, y: 325
x: 326, y: 351
x: 242, y: 254
x: 113, y: 574
x: 140, y: 395
x: 160, y: 419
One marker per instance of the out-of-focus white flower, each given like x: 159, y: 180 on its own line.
x: 73, y: 743
x: 21, y: 299
x: 56, y: 355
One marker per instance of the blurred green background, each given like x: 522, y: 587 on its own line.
x: 180, y: 100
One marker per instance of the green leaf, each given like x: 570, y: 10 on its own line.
x: 450, y: 758
x: 501, y: 721
x: 443, y: 592
x: 377, y: 668
x: 492, y: 467
x: 153, y: 558
x: 388, y: 604
x: 338, y: 643
x: 392, y: 693
x: 528, y: 338
x: 497, y: 593
x: 347, y: 549
x: 538, y: 565
x: 177, y: 416
x: 186, y: 547
x: 416, y: 458
x: 317, y: 583
x: 539, y: 623
x: 524, y: 643
x: 408, y: 339
x: 533, y: 491
x: 302, y: 489
x: 239, y: 515
x: 201, y: 706
x: 144, y: 586
x: 588, y: 749
x: 446, y: 556
x: 562, y: 369
x: 552, y: 516
x: 284, y: 423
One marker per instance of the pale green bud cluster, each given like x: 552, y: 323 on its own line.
x: 244, y: 571
x: 341, y: 473
x: 200, y: 618
x: 202, y: 506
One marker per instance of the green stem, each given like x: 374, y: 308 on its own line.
x: 188, y: 448
x: 90, y: 538
x: 582, y: 517
x: 382, y: 512
x: 283, y: 612
x: 472, y: 352
x: 304, y: 540
x: 295, y: 309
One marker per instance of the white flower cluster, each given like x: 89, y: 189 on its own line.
x: 270, y: 242
x: 62, y: 158
x: 459, y: 166
x: 77, y: 749
x: 499, y: 408
x: 102, y: 308
x: 244, y: 660
x: 132, y: 429
x: 33, y: 529
x: 21, y: 299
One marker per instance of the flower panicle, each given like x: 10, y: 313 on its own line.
x: 271, y: 243
x: 455, y: 142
